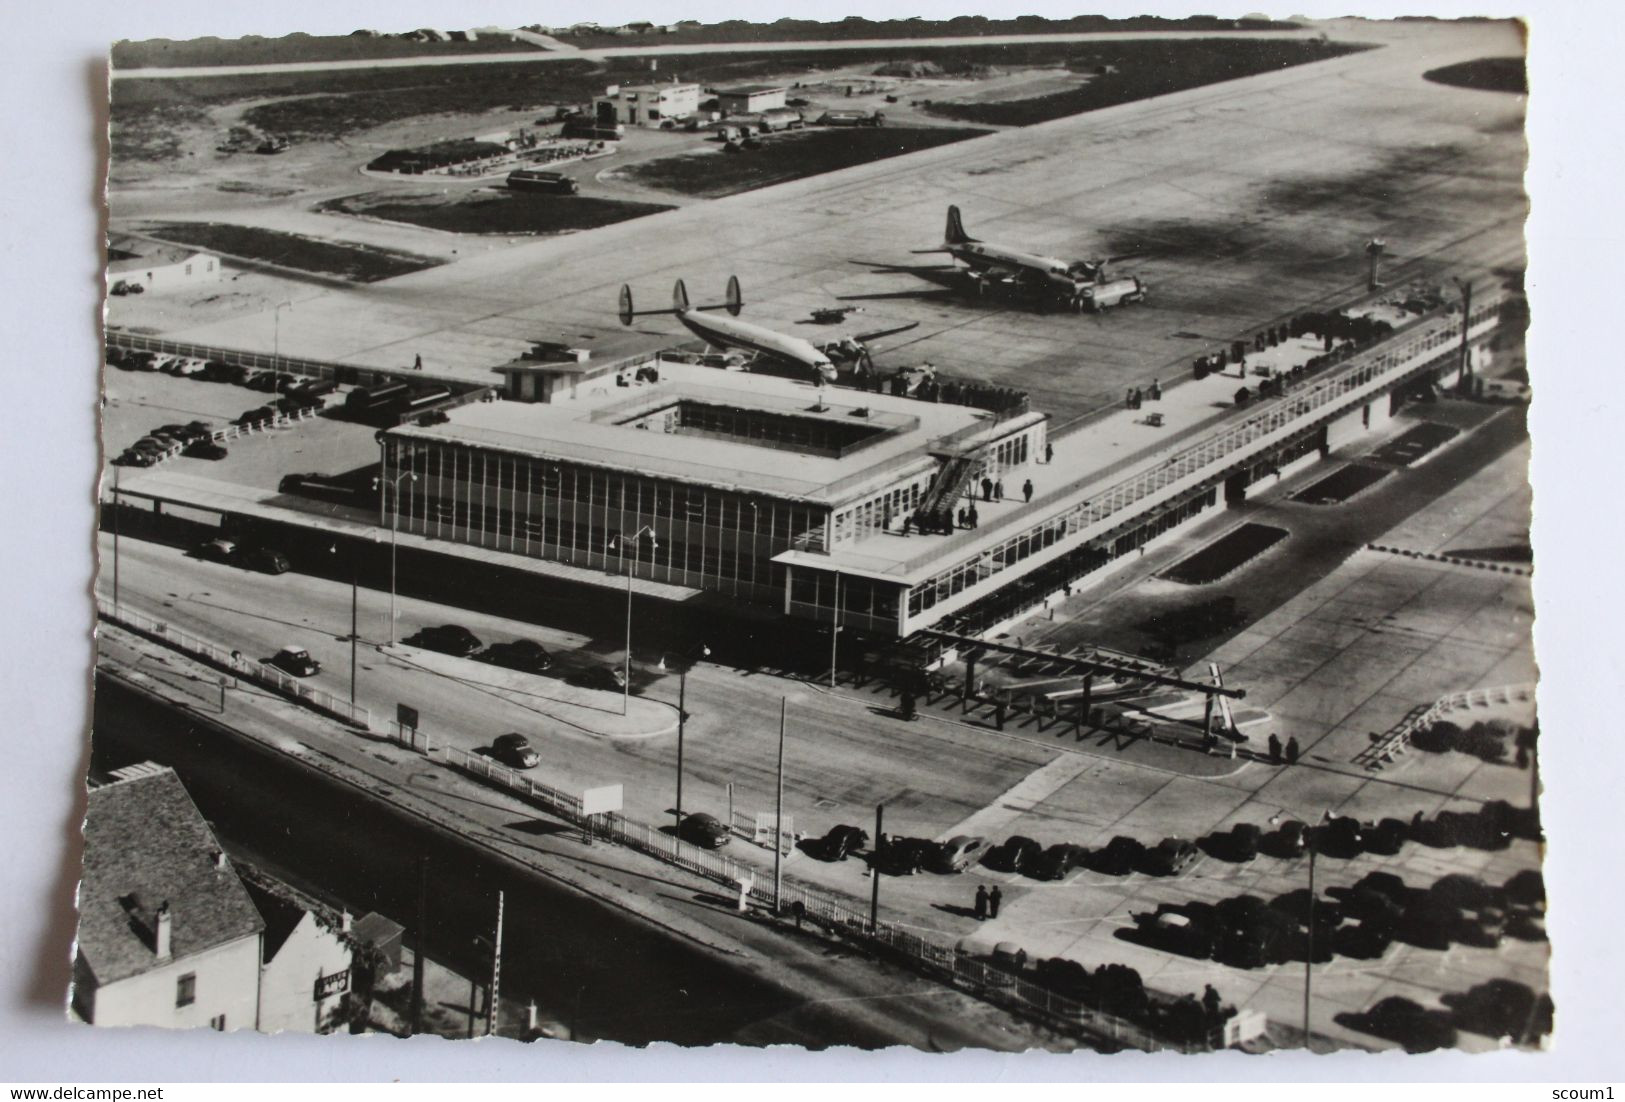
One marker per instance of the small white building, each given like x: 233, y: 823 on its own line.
x: 167, y: 933
x: 750, y: 99
x: 306, y: 959
x: 156, y: 267
x: 647, y: 105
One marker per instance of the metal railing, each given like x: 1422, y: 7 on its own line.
x: 1388, y: 746
x: 292, y: 365
x: 251, y: 669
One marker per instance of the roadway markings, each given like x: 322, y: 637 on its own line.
x: 1025, y: 795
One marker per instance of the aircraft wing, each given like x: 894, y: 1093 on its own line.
x: 865, y: 338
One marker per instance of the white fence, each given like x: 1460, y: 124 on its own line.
x: 1395, y: 742
x: 259, y: 672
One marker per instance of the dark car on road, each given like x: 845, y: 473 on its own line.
x: 904, y: 856
x: 452, y: 639
x: 838, y: 844
x: 295, y: 661
x: 1013, y: 854
x: 1057, y: 861
x: 703, y: 830
x: 215, y: 551
x: 1120, y: 857
x: 267, y: 560
x: 515, y: 750
x: 204, y: 449
x: 1399, y: 1019
x: 603, y: 678
x: 957, y: 854
x: 1170, y: 857
x: 524, y: 655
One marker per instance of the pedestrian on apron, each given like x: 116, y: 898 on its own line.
x: 993, y: 898
x: 981, y: 903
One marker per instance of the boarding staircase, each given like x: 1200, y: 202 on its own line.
x: 936, y: 508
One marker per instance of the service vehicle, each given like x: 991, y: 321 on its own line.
x: 703, y: 830
x: 295, y: 661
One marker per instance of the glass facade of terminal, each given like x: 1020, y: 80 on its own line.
x: 705, y: 538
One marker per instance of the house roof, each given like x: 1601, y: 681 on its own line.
x: 128, y: 253
x: 146, y: 844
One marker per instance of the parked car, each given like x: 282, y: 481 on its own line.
x: 1387, y: 837
x: 262, y: 380
x: 1342, y: 837
x: 1174, y: 930
x: 205, y: 449
x: 703, y: 830
x: 1399, y: 1019
x: 217, y: 550
x: 1171, y: 856
x: 1290, y: 839
x: 141, y: 361
x: 151, y: 444
x: 452, y: 639
x: 839, y: 843
x: 132, y: 458
x: 267, y: 560
x: 525, y: 655
x: 188, y: 366
x: 607, y: 679
x: 1240, y: 843
x: 259, y: 415
x: 903, y: 856
x: 295, y: 661
x: 218, y: 371
x: 1013, y: 854
x: 1120, y: 856
x: 515, y: 750
x: 174, y: 433
x: 1058, y: 860
x: 958, y: 853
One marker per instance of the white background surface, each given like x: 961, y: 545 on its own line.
x: 53, y: 77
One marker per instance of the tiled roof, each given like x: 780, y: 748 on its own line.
x: 147, y: 844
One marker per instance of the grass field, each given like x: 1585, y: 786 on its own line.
x: 1487, y: 74
x: 788, y: 156
x: 1226, y: 554
x: 358, y: 263
x: 497, y: 213
x: 1129, y: 71
x: 254, y: 50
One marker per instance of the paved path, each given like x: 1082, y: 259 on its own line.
x: 1023, y: 796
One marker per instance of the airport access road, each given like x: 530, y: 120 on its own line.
x: 1248, y: 200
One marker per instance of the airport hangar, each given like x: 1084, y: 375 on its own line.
x: 781, y: 494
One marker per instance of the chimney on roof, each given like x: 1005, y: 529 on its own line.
x: 219, y: 860
x: 345, y: 922
x: 160, y: 932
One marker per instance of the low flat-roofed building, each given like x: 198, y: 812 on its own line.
x: 749, y: 99
x: 156, y: 267
x: 168, y: 936
x: 648, y: 105
x: 702, y: 479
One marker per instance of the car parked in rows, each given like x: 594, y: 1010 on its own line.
x: 903, y: 856
x: 524, y: 655
x: 1013, y: 854
x: 267, y: 560
x: 1387, y: 837
x: 217, y: 371
x: 259, y: 415
x: 1342, y: 837
x: 703, y: 830
x: 205, y: 449
x: 132, y: 458
x: 1058, y: 860
x: 1170, y: 857
x: 296, y: 662
x: 452, y: 639
x: 839, y: 843
x: 607, y: 679
x: 958, y: 853
x: 1119, y: 857
x: 215, y: 550
x: 515, y: 749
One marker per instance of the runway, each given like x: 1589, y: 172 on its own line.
x: 1248, y: 201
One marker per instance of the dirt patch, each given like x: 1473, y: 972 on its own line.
x: 1225, y: 555
x: 1123, y: 72
x: 789, y: 156
x: 1486, y: 74
x: 357, y: 263
x: 1341, y: 485
x: 494, y: 212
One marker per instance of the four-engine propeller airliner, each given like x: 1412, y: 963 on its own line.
x: 821, y: 361
x: 1083, y: 284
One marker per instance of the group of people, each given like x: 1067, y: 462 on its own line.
x: 987, y: 902
x: 1289, y: 752
x: 1136, y: 396
x: 997, y: 399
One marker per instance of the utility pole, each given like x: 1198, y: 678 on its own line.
x: 115, y: 540
x: 682, y: 698
x: 874, y: 872
x: 496, y: 971
x: 835, y: 630
x: 1309, y: 957
x: 778, y: 814
x: 355, y: 604
x: 1466, y: 314
x: 422, y: 944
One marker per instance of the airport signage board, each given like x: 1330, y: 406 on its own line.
x: 598, y: 801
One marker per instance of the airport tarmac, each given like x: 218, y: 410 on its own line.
x: 1248, y: 200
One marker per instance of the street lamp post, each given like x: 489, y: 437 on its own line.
x: 276, y: 332
x: 835, y: 630
x: 778, y: 813
x: 355, y: 604
x: 682, y: 717
x: 115, y: 540
x: 394, y: 527
x: 626, y: 687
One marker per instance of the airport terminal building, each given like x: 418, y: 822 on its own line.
x: 807, y: 500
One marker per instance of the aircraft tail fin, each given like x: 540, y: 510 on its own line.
x: 679, y: 297
x: 626, y: 304
x: 955, y: 233
x: 733, y: 299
